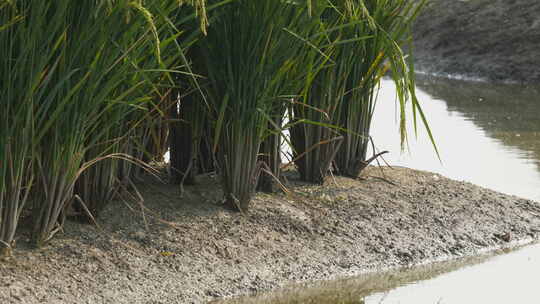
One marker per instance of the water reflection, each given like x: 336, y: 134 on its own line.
x: 509, y: 278
x: 359, y: 290
x: 509, y: 113
x: 487, y: 134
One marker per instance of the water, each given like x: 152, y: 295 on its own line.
x: 509, y: 278
x: 488, y: 135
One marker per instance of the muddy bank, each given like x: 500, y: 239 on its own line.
x: 495, y: 40
x: 358, y: 289
x: 198, y: 251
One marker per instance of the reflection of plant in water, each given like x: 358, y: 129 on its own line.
x: 506, y: 112
x: 372, y: 288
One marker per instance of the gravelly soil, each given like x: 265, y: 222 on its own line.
x: 495, y: 40
x: 198, y: 251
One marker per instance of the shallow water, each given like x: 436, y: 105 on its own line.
x: 488, y: 135
x: 508, y: 278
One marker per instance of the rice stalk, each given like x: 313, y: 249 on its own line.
x: 142, y: 118
x: 363, y: 39
x: 314, y: 138
x: 365, y: 62
x: 83, y: 73
x: 28, y: 59
x: 70, y: 118
x: 251, y: 61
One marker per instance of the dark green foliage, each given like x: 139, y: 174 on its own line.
x: 78, y: 77
x: 363, y: 41
x: 363, y: 64
x: 251, y: 60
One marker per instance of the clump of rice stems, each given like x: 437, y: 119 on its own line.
x: 364, y: 39
x: 248, y: 56
x: 156, y: 135
x: 387, y: 24
x: 79, y: 77
x: 88, y: 77
x: 142, y: 131
x: 314, y: 138
x: 187, y: 120
x: 96, y: 186
x: 15, y: 128
x: 270, y: 154
x: 317, y: 140
x: 28, y: 60
x: 205, y: 156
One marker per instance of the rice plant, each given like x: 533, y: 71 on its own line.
x: 137, y: 106
x: 364, y: 39
x: 33, y: 48
x: 250, y: 59
x: 388, y: 24
x: 270, y: 154
x: 92, y: 88
x: 16, y: 120
x: 80, y: 81
x: 314, y: 139
x: 89, y: 79
x: 185, y: 132
x: 188, y: 123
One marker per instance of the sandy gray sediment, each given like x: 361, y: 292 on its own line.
x: 198, y: 251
